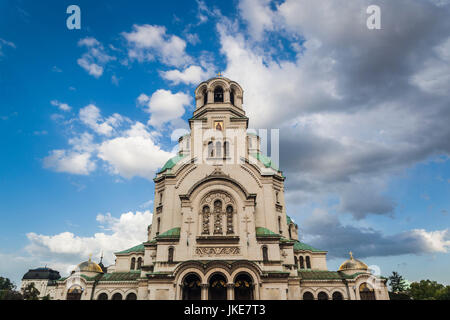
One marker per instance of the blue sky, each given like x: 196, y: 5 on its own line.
x: 87, y: 117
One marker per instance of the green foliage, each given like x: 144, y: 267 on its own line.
x: 30, y: 292
x: 397, y: 283
x: 426, y: 290
x: 444, y: 294
x: 6, y: 284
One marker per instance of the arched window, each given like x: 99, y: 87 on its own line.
x: 131, y: 296
x: 205, y: 96
x: 279, y: 224
x: 192, y: 287
x: 139, y: 263
x: 366, y: 292
x: 308, y: 262
x: 205, y: 213
x: 117, y: 296
x: 295, y: 262
x: 102, y: 296
x: 265, y: 254
x: 210, y: 149
x: 230, y: 220
x: 133, y: 263
x: 308, y: 296
x: 218, y: 94
x: 226, y: 149
x: 170, y: 258
x: 290, y: 232
x: 158, y: 225
x: 322, y: 296
x: 243, y: 287
x: 302, y: 262
x: 337, y: 296
x: 232, y: 96
x: 218, y: 149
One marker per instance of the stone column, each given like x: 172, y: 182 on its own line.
x: 226, y: 95
x: 230, y: 291
x: 205, y: 287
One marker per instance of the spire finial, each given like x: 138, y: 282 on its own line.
x: 90, y: 256
x: 101, y: 257
x: 219, y: 74
x: 351, y: 255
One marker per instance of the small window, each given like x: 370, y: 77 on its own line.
x: 218, y: 94
x: 170, y: 258
x: 133, y: 264
x: 139, y: 263
x: 265, y: 254
x: 210, y: 149
x: 218, y: 149
x: 232, y: 96
x: 308, y: 263
x: 226, y: 149
x: 296, y: 262
x: 279, y: 224
x: 205, y: 97
x: 158, y: 225
x: 302, y: 262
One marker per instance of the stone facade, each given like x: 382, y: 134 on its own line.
x: 220, y: 228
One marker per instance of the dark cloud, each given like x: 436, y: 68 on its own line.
x: 325, y: 231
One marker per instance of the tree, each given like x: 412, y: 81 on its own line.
x: 426, y: 290
x: 30, y: 292
x: 6, y: 284
x: 444, y: 294
x: 397, y: 283
x: 8, y: 290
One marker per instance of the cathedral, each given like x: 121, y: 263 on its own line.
x: 220, y: 229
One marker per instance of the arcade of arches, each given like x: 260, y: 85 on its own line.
x: 217, y: 287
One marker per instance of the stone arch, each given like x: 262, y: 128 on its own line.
x: 334, y: 294
x: 191, y: 285
x: 323, y: 295
x: 225, y: 180
x: 218, y: 281
x: 307, y: 295
x: 218, y: 82
x: 103, y: 295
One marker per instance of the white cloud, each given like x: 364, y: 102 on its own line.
x: 60, y: 105
x: 3, y: 43
x: 134, y: 153
x: 258, y: 15
x: 191, y: 75
x: 147, y: 42
x: 70, y: 161
x: 434, y: 77
x: 94, y: 60
x: 67, y: 249
x: 90, y: 115
x: 165, y: 106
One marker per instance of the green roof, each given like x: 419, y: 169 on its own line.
x: 138, y: 248
x: 322, y: 275
x: 263, y: 232
x: 289, y: 220
x: 171, y: 163
x: 266, y: 161
x: 121, y: 276
x: 172, y: 233
x: 299, y: 246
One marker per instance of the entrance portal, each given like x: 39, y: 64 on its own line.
x: 192, y: 287
x: 243, y: 287
x: 74, y: 293
x: 218, y: 287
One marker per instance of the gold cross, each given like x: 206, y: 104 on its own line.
x: 90, y: 256
x: 351, y: 255
x: 219, y: 74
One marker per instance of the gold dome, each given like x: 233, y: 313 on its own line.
x: 353, y: 264
x: 89, y: 266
